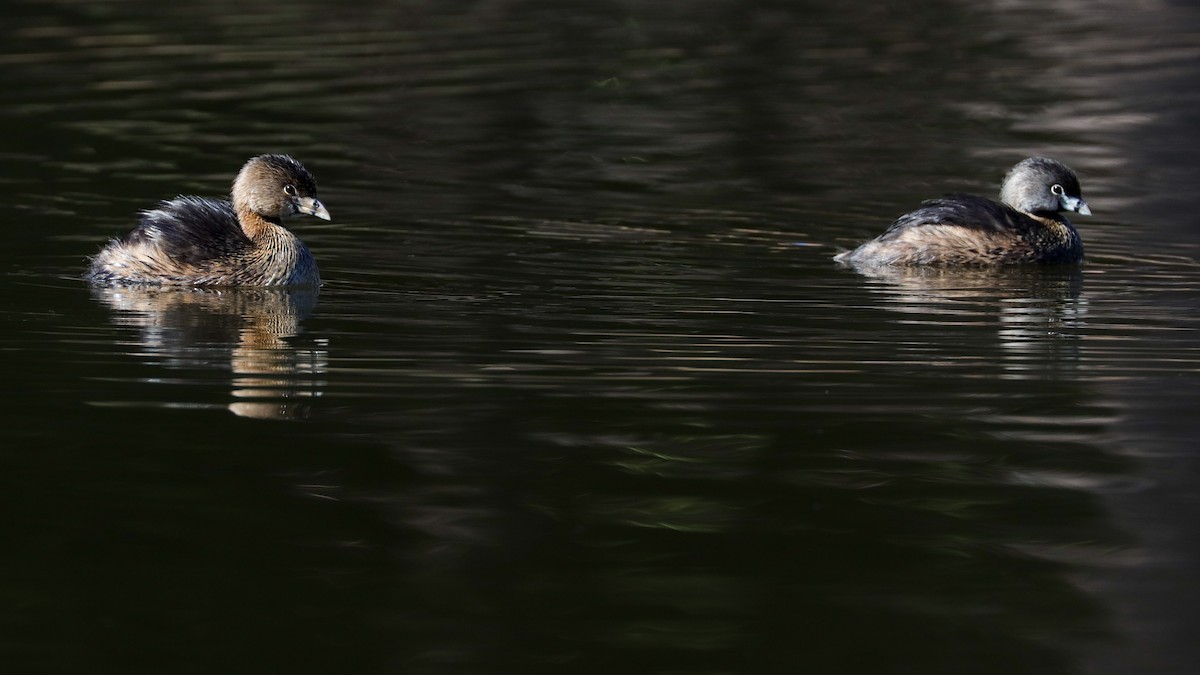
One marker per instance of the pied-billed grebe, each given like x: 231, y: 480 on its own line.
x: 191, y: 241
x: 1028, y: 227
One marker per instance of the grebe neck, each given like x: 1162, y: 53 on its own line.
x: 257, y: 226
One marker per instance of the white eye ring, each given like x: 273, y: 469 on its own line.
x: 290, y: 190
x: 1057, y: 189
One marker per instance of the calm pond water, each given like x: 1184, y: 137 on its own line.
x: 583, y: 391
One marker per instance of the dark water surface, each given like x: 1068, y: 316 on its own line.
x: 583, y: 391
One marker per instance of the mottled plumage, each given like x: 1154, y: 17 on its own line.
x: 968, y: 230
x: 207, y: 242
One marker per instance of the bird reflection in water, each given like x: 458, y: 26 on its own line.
x: 248, y: 330
x: 1031, y: 308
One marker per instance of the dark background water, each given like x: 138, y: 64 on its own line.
x: 583, y: 391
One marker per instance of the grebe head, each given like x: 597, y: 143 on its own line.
x: 277, y: 186
x: 1043, y: 185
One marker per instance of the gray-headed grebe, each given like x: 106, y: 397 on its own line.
x: 1028, y: 227
x: 191, y: 241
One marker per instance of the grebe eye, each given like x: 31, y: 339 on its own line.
x: 290, y: 190
x: 1057, y: 189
